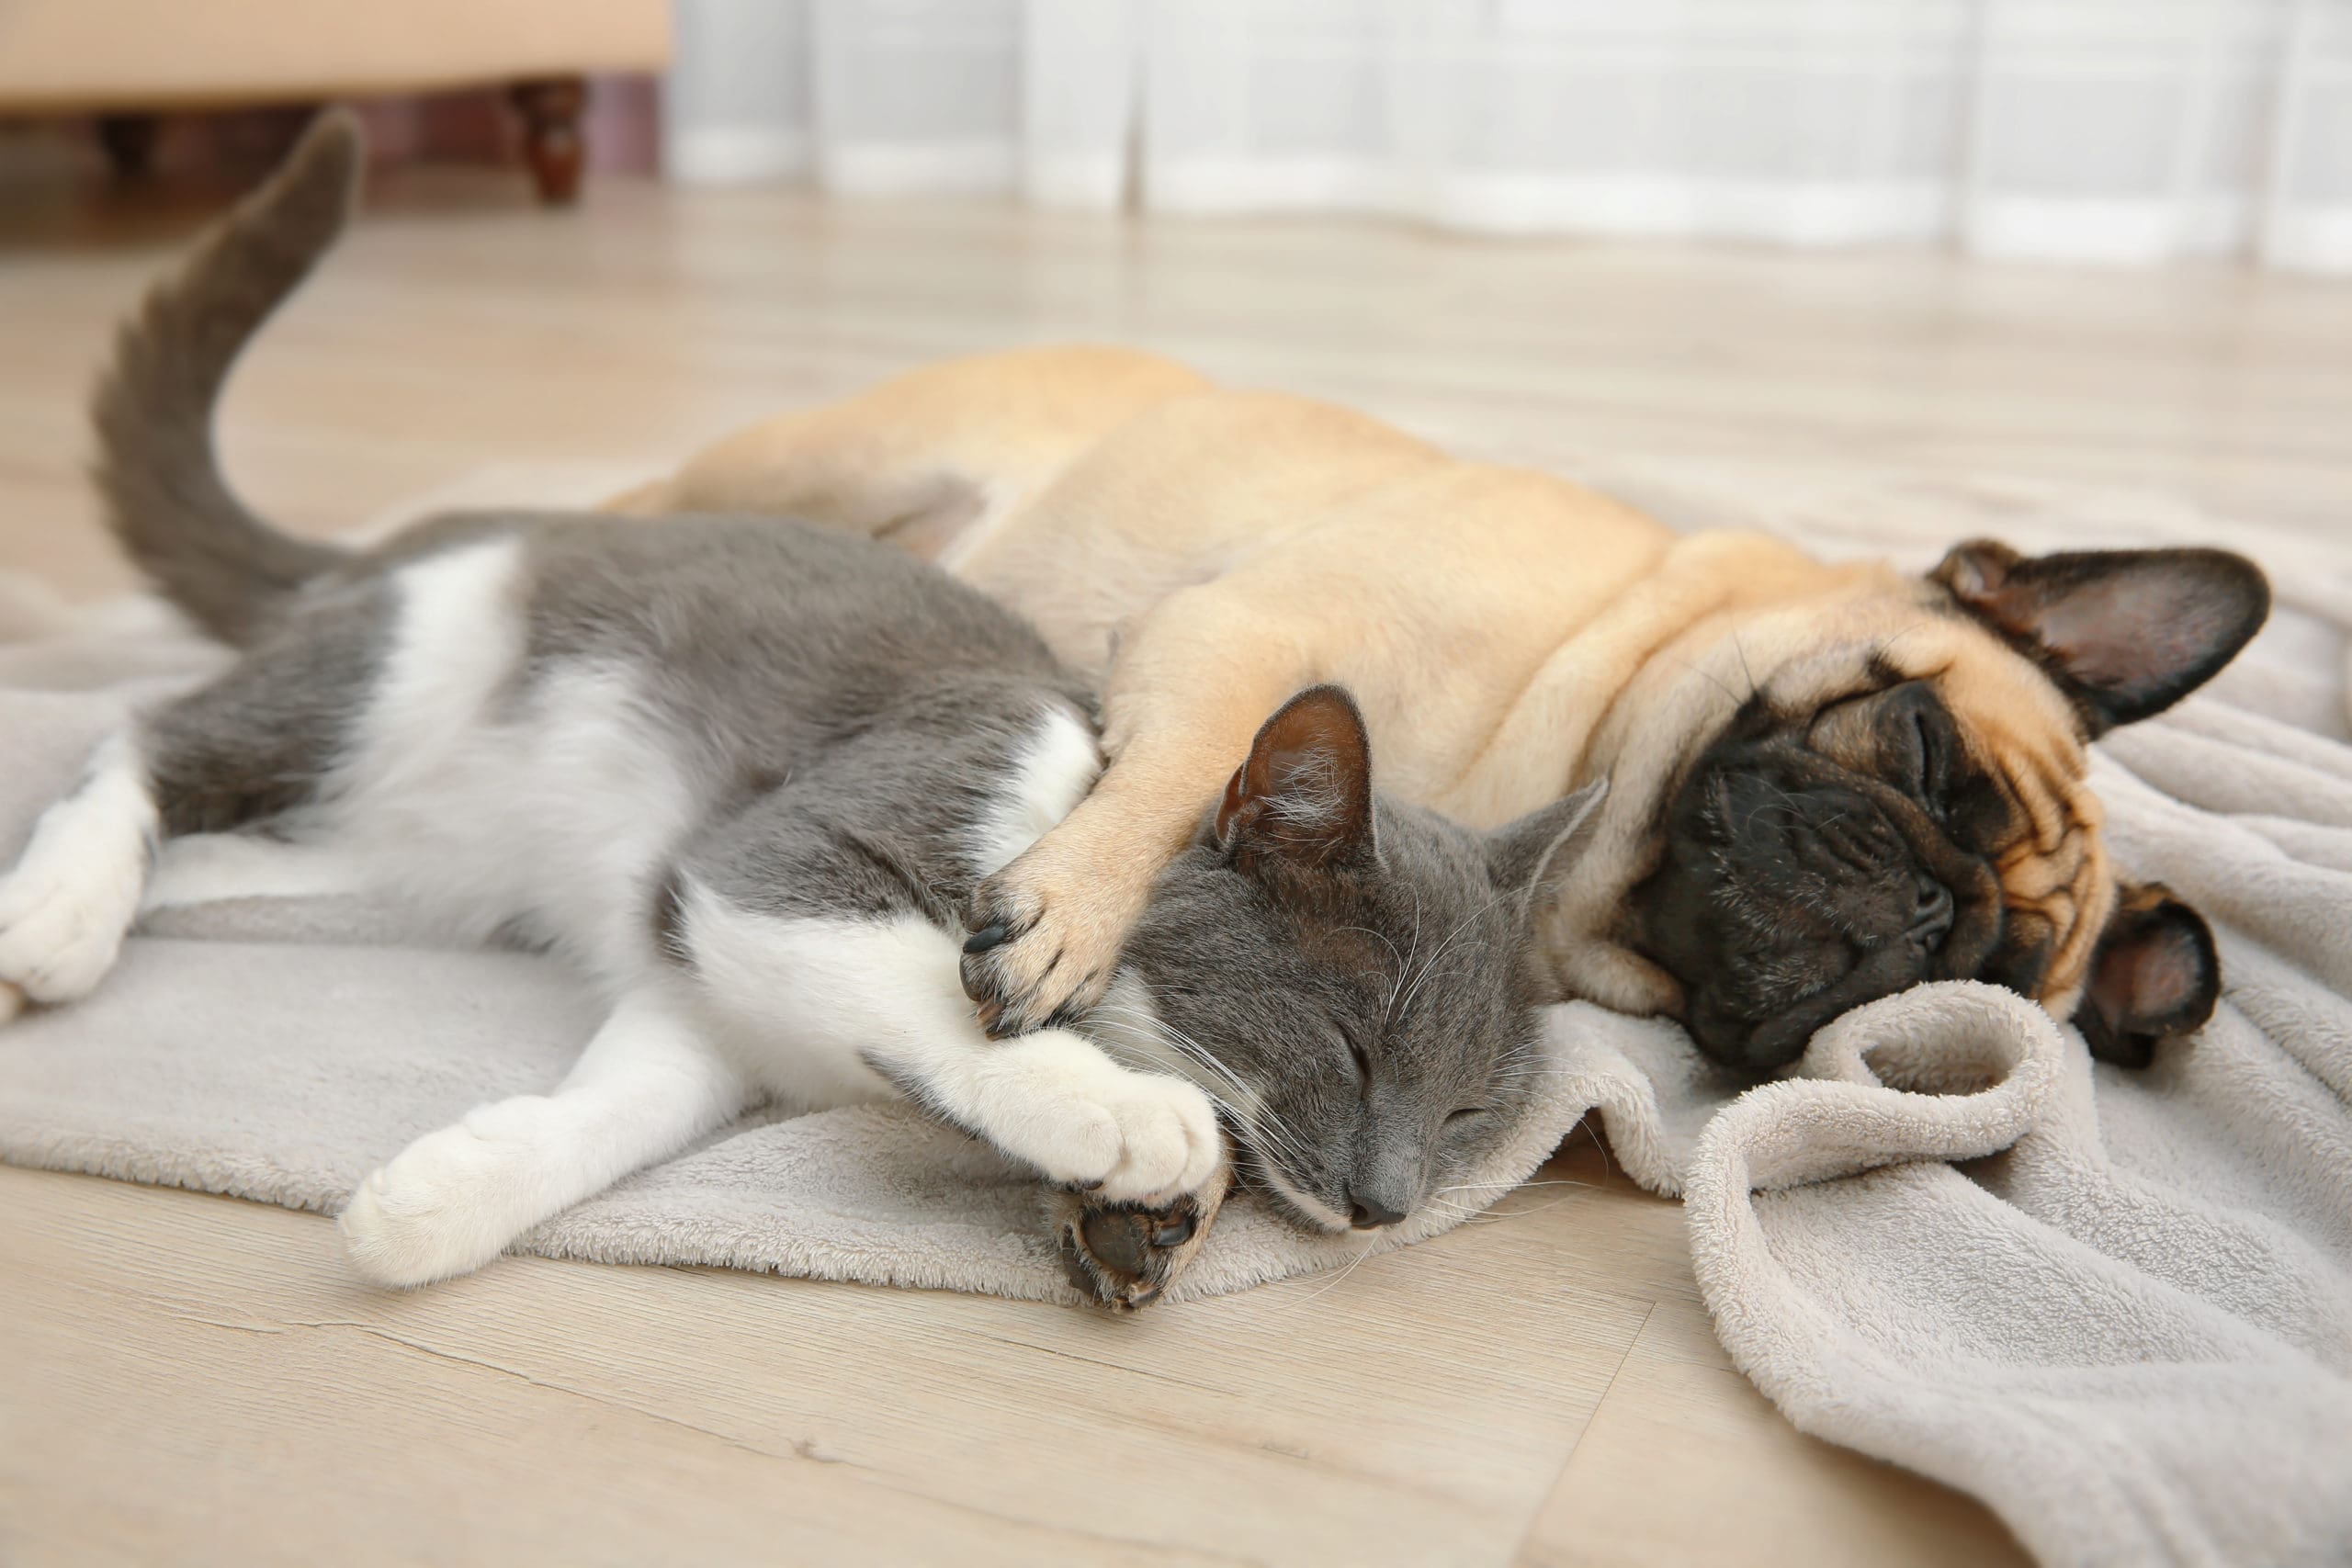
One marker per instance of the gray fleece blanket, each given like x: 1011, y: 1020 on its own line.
x: 2116, y: 1306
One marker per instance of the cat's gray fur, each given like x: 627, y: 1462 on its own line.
x: 1342, y: 975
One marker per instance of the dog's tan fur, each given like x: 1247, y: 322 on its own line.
x: 1207, y: 552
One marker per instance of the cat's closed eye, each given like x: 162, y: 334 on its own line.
x: 1357, y: 1054
x: 1462, y: 1119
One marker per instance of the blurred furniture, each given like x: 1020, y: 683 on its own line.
x: 128, y: 60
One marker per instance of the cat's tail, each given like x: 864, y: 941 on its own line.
x: 157, y: 472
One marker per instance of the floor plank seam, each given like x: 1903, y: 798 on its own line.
x: 1526, y: 1527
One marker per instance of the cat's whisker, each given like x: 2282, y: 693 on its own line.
x: 1491, y: 1216
x: 1259, y: 1121
x: 1392, y: 953
x: 1515, y: 1186
x: 1271, y: 1134
x: 1388, y: 1010
x: 1464, y: 925
x: 1353, y: 1264
x: 1260, y: 1125
x: 1547, y: 1182
x: 1240, y: 1112
x: 1593, y: 1131
x: 1247, y: 1108
x: 1157, y: 1030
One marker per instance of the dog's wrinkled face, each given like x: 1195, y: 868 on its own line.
x: 1922, y: 817
x: 1351, y: 979
x: 1818, y: 862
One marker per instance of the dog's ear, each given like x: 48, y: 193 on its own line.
x: 1302, y: 800
x: 2125, y: 633
x: 2154, y: 974
x: 1533, y: 855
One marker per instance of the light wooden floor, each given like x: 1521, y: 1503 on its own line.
x: 191, y: 1379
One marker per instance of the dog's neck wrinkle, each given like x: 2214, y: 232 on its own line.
x: 1678, y: 606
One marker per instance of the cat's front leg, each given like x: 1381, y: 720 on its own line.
x: 647, y: 1086
x: 1055, y: 1100
x: 1139, y: 1155
x: 822, y: 988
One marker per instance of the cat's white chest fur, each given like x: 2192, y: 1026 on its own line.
x: 1053, y: 773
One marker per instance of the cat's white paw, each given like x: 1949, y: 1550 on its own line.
x: 446, y: 1205
x: 65, y: 908
x: 1056, y: 1101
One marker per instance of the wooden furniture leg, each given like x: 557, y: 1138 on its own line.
x: 129, y: 143
x: 551, y: 140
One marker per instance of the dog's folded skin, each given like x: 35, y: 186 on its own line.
x: 1829, y: 782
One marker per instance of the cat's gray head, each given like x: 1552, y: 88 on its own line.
x: 1350, y: 977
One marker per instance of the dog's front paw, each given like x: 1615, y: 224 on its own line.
x: 1122, y: 1255
x: 1054, y: 1099
x: 1046, y: 934
x: 446, y: 1205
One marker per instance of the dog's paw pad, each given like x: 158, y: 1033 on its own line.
x: 1123, y: 1256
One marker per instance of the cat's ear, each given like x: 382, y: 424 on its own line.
x: 2125, y: 633
x: 1533, y: 855
x: 1303, y: 798
x: 2155, y: 975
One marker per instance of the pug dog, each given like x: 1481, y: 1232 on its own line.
x: 1826, y: 782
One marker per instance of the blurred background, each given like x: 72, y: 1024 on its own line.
x: 2110, y: 131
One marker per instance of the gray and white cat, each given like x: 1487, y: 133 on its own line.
x: 745, y: 774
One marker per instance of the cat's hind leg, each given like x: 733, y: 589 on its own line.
x: 207, y: 868
x: 74, y: 892
x: 256, y: 741
x: 647, y: 1086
